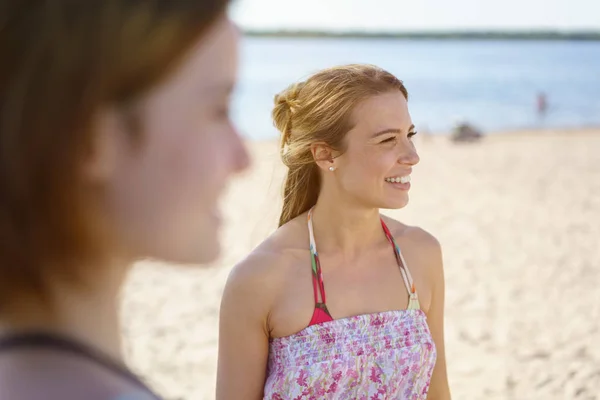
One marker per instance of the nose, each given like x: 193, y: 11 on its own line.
x: 409, y: 156
x: 240, y: 155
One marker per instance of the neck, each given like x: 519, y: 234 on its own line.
x: 343, y: 227
x: 89, y: 315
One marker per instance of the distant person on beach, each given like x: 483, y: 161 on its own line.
x: 116, y: 145
x: 542, y: 104
x: 340, y: 302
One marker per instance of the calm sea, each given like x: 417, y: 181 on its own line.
x: 493, y: 84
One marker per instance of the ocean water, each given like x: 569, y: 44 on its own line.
x: 492, y: 84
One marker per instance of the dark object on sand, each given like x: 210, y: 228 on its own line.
x: 464, y: 132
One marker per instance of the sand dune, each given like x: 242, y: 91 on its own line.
x: 518, y: 217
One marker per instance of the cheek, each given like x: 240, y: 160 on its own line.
x: 172, y: 173
x: 190, y: 163
x: 369, y: 166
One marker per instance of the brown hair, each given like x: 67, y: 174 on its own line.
x: 319, y: 109
x: 63, y: 60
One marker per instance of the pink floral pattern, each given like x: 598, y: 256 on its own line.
x: 387, y: 355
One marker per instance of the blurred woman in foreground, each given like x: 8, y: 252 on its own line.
x: 115, y: 145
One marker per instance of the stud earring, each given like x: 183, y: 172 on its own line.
x: 332, y: 168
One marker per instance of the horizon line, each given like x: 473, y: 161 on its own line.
x: 430, y: 34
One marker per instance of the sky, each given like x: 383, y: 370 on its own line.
x: 418, y: 15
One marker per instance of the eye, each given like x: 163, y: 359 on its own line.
x: 411, y: 134
x: 391, y: 139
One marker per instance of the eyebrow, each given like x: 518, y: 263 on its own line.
x: 390, y: 130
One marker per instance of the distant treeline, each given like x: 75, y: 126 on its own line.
x: 536, y: 35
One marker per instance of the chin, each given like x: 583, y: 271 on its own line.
x: 205, y: 248
x: 395, y: 204
x: 196, y: 254
x: 206, y: 253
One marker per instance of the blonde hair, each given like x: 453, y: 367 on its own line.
x: 319, y: 109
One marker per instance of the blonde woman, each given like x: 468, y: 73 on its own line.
x: 340, y: 302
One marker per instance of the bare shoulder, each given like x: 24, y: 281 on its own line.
x: 419, y: 242
x: 268, y: 261
x: 416, y: 235
x: 258, y: 277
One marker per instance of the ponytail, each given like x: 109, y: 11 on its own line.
x: 303, y: 182
x: 300, y: 191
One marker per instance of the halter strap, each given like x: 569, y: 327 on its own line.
x: 413, y: 300
x: 319, y: 287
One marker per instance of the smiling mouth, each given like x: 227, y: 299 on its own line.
x: 398, y: 179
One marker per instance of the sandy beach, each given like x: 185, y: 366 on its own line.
x: 518, y: 217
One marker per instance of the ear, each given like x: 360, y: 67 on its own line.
x: 105, y: 145
x: 324, y: 155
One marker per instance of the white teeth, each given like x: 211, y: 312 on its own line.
x: 399, y: 179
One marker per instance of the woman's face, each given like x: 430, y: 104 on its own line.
x: 376, y: 166
x: 163, y: 196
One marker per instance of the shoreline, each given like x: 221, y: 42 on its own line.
x: 536, y: 35
x: 504, y: 133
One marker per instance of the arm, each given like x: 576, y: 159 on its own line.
x: 439, y: 388
x: 243, y: 334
